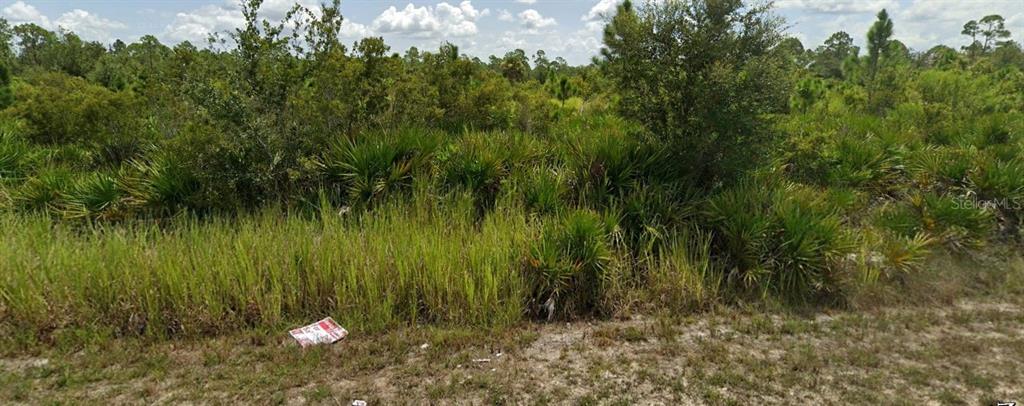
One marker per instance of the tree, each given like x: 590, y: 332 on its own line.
x: 972, y: 30
x: 878, y: 42
x: 1009, y: 53
x: 6, y: 41
x: 541, y: 66
x: 562, y: 88
x: 700, y: 75
x: 6, y: 94
x: 794, y: 49
x: 993, y: 28
x: 515, y: 66
x: 33, y: 41
x: 940, y: 57
x: 829, y: 58
x: 322, y: 37
x: 807, y: 92
x: 880, y: 50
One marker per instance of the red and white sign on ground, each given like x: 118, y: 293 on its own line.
x: 325, y: 331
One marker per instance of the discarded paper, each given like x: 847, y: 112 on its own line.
x: 325, y: 331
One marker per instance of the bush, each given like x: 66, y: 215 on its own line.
x: 13, y: 152
x: 61, y: 109
x: 999, y: 181
x: 43, y: 192
x: 960, y: 223
x: 782, y: 239
x: 607, y: 165
x: 943, y: 167
x: 375, y: 166
x: 859, y: 162
x: 477, y: 165
x: 94, y: 196
x: 649, y: 213
x: 543, y: 189
x: 160, y: 185
x: 567, y: 266
x: 806, y: 247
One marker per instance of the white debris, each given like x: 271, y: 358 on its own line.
x: 325, y: 331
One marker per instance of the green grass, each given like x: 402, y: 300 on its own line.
x: 404, y: 264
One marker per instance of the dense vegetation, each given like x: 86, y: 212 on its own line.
x: 276, y: 174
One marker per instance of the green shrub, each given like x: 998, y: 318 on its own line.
x: 781, y: 239
x: 13, y: 153
x: 73, y: 157
x: 859, y: 162
x: 476, y: 165
x: 43, y: 192
x: 543, y: 189
x: 806, y: 246
x: 958, y: 222
x: 62, y: 109
x: 994, y: 130
x: 999, y: 181
x: 741, y: 224
x: 378, y: 165
x: 944, y: 167
x: 905, y: 255
x: 160, y: 185
x: 649, y: 212
x: 567, y: 266
x: 93, y: 196
x: 706, y: 96
x: 606, y: 165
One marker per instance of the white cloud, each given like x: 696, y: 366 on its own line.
x: 350, y: 29
x: 412, y: 19
x: 920, y: 24
x: 89, y: 26
x: 505, y: 15
x: 197, y: 24
x: 275, y: 10
x: 532, y: 19
x: 577, y: 46
x: 594, y: 26
x: 606, y: 8
x: 83, y: 23
x: 441, y: 20
x: 837, y: 6
x: 925, y: 23
x: 526, y: 1
x: 602, y: 9
x: 20, y: 13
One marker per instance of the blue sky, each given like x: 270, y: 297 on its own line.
x: 567, y: 28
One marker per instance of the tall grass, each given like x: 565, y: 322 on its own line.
x: 403, y: 264
x: 683, y: 275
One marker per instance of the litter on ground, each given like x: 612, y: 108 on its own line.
x: 325, y: 331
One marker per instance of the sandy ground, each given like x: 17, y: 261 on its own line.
x: 968, y: 353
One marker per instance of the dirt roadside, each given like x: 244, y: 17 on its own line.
x: 968, y: 353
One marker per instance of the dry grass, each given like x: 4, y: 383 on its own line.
x: 964, y: 353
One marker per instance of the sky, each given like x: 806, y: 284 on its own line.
x: 567, y: 28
